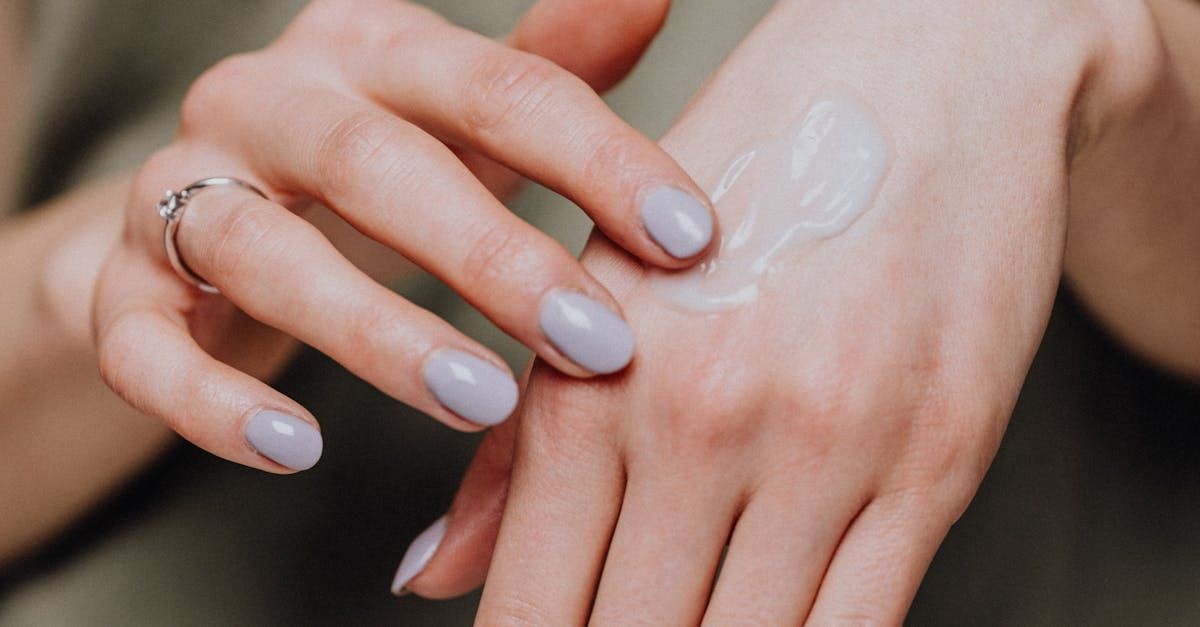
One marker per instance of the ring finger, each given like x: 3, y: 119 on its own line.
x: 780, y: 548
x: 281, y: 270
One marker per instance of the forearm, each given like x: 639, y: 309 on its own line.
x: 65, y: 439
x: 1133, y: 254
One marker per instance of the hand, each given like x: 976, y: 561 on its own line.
x: 832, y: 431
x: 376, y: 108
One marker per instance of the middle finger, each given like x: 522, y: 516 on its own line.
x: 406, y: 189
x: 539, y: 119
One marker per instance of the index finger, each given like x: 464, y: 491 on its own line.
x: 542, y: 121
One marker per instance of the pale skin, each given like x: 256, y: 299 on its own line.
x: 831, y: 434
x: 585, y: 447
x: 53, y: 256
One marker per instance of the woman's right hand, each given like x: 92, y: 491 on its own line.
x: 375, y: 108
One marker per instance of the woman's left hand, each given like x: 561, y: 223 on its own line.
x: 834, y: 430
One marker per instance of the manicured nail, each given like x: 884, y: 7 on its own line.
x: 418, y: 555
x: 471, y: 387
x: 588, y: 333
x: 677, y: 221
x: 286, y: 440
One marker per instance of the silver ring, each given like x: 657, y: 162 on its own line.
x: 171, y: 209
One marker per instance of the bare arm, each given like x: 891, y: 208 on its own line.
x: 1133, y: 252
x: 65, y: 439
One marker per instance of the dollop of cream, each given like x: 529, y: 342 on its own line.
x: 807, y: 185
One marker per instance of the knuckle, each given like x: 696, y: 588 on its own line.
x: 951, y: 445
x: 728, y: 417
x: 152, y: 180
x: 373, y: 336
x: 212, y: 97
x: 819, y: 416
x: 359, y: 143
x: 242, y: 241
x: 508, y: 88
x: 499, y: 253
x: 613, y: 153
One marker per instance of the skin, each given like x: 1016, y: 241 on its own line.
x: 832, y: 433
x: 383, y: 145
x: 40, y: 313
x: 50, y: 261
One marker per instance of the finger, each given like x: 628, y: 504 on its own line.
x: 779, y: 550
x: 148, y: 357
x: 282, y: 271
x: 404, y: 188
x: 665, y: 551
x: 457, y: 562
x: 563, y: 503
x: 597, y: 40
x: 880, y: 563
x: 544, y: 122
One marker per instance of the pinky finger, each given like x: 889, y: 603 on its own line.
x: 151, y: 360
x: 880, y: 563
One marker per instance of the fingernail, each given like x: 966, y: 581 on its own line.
x: 588, y: 333
x: 677, y: 221
x: 418, y: 555
x: 470, y: 386
x: 284, y: 439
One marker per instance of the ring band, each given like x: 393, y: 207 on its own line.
x: 171, y: 209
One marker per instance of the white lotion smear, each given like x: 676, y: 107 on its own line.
x: 805, y: 186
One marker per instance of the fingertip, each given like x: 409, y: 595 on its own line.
x: 474, y: 389
x: 590, y: 334
x: 288, y: 440
x: 418, y: 555
x: 679, y: 223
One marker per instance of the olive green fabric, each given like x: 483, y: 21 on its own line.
x: 1089, y: 515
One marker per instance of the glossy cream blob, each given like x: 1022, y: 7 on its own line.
x: 806, y: 185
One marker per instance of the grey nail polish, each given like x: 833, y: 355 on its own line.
x: 284, y: 439
x: 677, y: 221
x: 588, y: 333
x: 470, y: 387
x: 418, y: 555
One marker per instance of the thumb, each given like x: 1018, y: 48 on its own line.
x: 451, y: 558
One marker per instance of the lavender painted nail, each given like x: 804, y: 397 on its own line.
x: 418, y: 555
x: 588, y: 333
x: 677, y: 221
x: 470, y: 387
x: 284, y: 439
